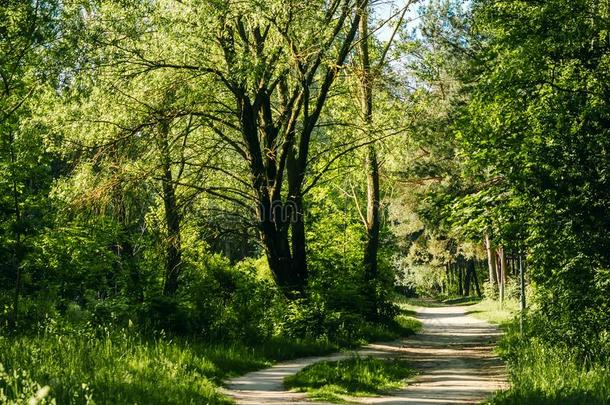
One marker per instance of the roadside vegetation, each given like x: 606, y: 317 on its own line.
x: 493, y: 311
x: 542, y: 373
x: 108, y: 365
x: 337, y: 381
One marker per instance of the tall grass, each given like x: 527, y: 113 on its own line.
x: 541, y: 373
x: 104, y: 366
x: 91, y: 364
x: 544, y: 374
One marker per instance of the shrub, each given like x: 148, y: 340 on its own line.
x: 231, y: 302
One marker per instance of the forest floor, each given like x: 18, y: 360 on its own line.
x: 453, y: 355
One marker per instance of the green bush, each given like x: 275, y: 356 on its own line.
x: 230, y: 302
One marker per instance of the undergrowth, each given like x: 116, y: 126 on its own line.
x: 541, y: 372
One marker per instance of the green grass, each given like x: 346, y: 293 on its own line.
x: 354, y: 377
x: 411, y: 303
x: 120, y: 367
x: 403, y: 325
x: 543, y: 374
x: 494, y: 312
x: 539, y: 373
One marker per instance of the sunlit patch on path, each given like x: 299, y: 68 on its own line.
x: 453, y: 354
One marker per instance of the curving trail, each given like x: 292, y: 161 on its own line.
x: 453, y: 355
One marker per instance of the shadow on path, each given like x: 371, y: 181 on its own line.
x: 453, y: 354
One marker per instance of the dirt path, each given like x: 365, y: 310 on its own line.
x: 453, y: 354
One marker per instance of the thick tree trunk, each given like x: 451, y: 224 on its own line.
x: 269, y: 158
x: 277, y: 250
x: 173, y: 253
x: 298, y: 242
x: 288, y: 266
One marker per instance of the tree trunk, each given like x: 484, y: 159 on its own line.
x: 502, y: 272
x: 270, y: 158
x: 468, y: 277
x: 173, y: 254
x: 298, y: 242
x: 372, y: 215
x: 476, y: 280
x: 446, y: 283
x: 277, y: 250
x: 460, y: 278
x: 372, y: 164
x: 491, y: 261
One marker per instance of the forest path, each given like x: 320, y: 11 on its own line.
x: 452, y: 354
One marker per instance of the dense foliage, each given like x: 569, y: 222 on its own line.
x: 176, y: 174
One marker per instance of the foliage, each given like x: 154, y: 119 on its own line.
x: 538, y: 125
x: 541, y: 373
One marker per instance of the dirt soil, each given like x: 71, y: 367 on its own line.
x: 452, y: 354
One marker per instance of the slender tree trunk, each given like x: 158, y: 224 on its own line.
x: 521, y: 293
x: 373, y: 216
x: 17, y: 249
x: 372, y: 164
x: 173, y: 263
x: 502, y: 272
x: 446, y: 283
x: 460, y: 278
x: 491, y: 261
x: 468, y: 277
x: 476, y: 280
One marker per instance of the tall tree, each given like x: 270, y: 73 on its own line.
x: 265, y: 72
x: 369, y: 72
x: 28, y: 31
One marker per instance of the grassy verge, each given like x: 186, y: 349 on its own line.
x: 544, y: 374
x: 494, y: 311
x: 354, y: 377
x: 403, y: 325
x: 120, y: 367
x: 411, y: 303
x: 540, y: 373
